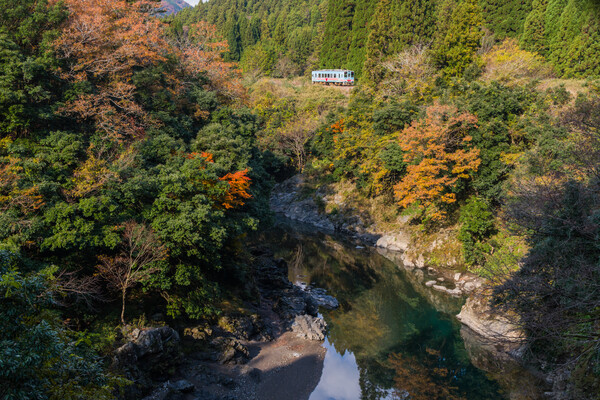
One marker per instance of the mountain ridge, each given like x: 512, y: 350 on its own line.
x: 173, y: 6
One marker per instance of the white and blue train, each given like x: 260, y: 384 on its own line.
x: 333, y: 77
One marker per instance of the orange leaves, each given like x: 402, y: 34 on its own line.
x: 105, y: 41
x: 337, y: 127
x: 207, y: 156
x: 438, y: 153
x: 201, y: 56
x: 239, y: 183
x: 110, y: 37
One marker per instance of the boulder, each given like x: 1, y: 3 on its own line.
x: 309, y: 327
x: 398, y: 241
x: 231, y: 351
x: 501, y: 328
x: 322, y: 299
x: 147, y: 356
x: 294, y: 301
x: 182, y: 385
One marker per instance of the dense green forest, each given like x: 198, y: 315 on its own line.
x: 285, y: 38
x: 127, y: 170
x: 136, y: 158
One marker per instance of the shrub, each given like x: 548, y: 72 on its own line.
x: 477, y: 225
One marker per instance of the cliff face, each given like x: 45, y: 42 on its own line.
x: 173, y: 6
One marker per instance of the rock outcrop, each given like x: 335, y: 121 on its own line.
x: 491, y: 325
x: 286, y: 200
x: 309, y: 327
x: 149, y: 353
x: 322, y: 299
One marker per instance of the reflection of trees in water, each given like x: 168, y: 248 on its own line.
x: 296, y: 261
x: 381, y: 313
x: 423, y: 378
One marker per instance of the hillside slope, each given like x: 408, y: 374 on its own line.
x: 283, y: 38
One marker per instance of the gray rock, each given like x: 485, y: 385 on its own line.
x: 182, y: 385
x: 430, y: 283
x: 308, y: 327
x: 231, y: 350
x: 398, y: 241
x: 482, y: 319
x: 453, y: 292
x: 151, y: 352
x: 322, y: 299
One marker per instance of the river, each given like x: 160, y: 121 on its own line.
x: 391, y: 337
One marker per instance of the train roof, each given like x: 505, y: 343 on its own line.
x: 332, y: 70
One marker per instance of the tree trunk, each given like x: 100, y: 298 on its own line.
x: 123, y: 307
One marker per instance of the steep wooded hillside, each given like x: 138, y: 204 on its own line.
x: 288, y: 38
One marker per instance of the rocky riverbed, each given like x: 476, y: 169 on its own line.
x: 245, y: 355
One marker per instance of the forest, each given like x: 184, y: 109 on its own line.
x: 138, y: 152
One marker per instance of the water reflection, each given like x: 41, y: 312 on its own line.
x: 388, y: 339
x: 340, y: 376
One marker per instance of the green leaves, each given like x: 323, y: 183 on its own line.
x: 476, y: 226
x: 39, y: 358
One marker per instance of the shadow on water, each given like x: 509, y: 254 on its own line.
x: 389, y: 339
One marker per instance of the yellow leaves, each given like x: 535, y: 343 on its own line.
x: 507, y: 63
x: 90, y: 177
x: 12, y: 194
x: 95, y: 172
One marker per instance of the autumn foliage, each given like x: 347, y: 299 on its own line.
x: 438, y: 154
x: 238, y: 184
x: 106, y: 41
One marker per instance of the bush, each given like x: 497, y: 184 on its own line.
x: 39, y: 357
x: 477, y: 225
x: 507, y: 63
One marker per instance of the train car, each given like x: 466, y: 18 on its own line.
x: 340, y: 77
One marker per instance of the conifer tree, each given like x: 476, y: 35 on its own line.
x: 575, y: 45
x: 505, y: 17
x: 234, y: 38
x: 455, y: 50
x: 380, y: 41
x: 336, y: 40
x: 360, y: 33
x: 534, y: 29
x: 416, y: 22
